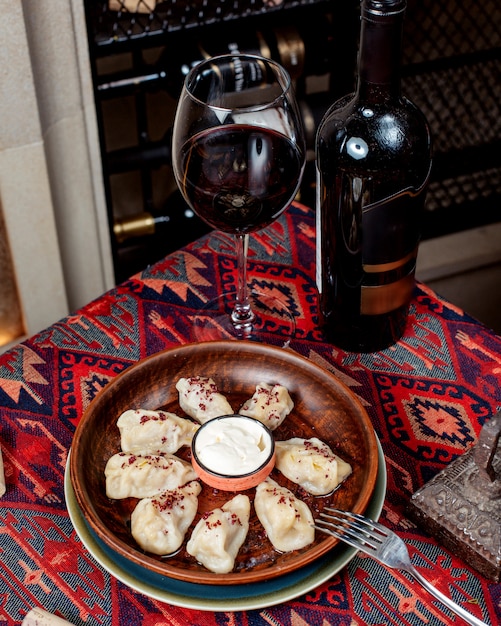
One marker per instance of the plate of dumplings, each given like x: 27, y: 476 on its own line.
x: 134, y: 483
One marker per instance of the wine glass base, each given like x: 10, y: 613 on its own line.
x: 273, y: 322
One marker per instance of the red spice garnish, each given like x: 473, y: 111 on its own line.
x: 234, y: 519
x: 211, y: 524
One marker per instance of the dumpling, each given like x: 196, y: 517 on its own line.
x: 219, y: 535
x: 159, y: 524
x: 199, y: 398
x: 311, y: 464
x: 270, y: 404
x: 154, y: 432
x: 135, y: 476
x: 288, y: 521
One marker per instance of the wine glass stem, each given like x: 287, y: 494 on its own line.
x: 242, y: 315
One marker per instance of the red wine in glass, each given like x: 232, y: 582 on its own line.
x: 238, y: 155
x: 238, y: 178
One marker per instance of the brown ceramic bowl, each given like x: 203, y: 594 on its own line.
x: 324, y: 408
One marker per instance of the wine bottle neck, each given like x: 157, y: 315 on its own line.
x: 380, y: 48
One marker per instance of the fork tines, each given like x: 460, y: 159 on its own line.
x: 385, y: 546
x: 351, y: 528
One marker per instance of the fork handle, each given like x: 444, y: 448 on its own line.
x: 468, y: 617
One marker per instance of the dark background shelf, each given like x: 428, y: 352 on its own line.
x: 451, y: 69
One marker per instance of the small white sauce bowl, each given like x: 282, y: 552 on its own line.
x: 233, y: 452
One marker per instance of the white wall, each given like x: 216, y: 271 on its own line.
x: 51, y: 189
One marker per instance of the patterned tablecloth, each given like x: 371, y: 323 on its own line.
x: 427, y: 397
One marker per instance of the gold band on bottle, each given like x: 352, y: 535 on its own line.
x: 385, y: 298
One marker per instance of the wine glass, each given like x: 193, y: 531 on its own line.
x: 238, y: 155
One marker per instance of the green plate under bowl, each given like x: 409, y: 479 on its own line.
x: 204, y: 597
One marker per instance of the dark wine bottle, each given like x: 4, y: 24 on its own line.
x: 373, y: 158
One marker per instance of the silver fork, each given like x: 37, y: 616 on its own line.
x: 383, y: 545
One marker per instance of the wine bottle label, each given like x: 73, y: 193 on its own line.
x: 390, y: 243
x: 391, y: 228
x: 376, y: 243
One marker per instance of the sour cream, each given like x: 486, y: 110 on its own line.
x: 233, y: 445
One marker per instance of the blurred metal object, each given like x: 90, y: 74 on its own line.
x: 136, y: 226
x: 291, y: 50
x: 461, y: 506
